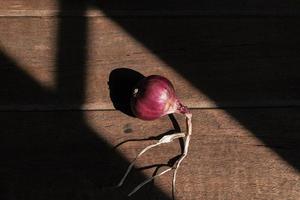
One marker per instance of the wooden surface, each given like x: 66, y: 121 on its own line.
x: 74, y: 157
x: 64, y: 126
x: 223, y: 61
x: 155, y: 7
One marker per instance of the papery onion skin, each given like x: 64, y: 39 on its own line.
x: 154, y: 97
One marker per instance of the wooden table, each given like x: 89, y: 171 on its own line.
x: 236, y: 65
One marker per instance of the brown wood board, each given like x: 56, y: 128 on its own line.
x: 70, y: 154
x: 67, y: 55
x: 213, y: 62
x: 155, y: 7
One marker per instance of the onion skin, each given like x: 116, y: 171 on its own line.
x: 154, y: 97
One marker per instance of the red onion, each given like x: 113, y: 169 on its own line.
x: 154, y: 97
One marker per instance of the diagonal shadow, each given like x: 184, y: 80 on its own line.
x: 13, y: 77
x: 237, y: 61
x: 55, y: 154
x: 42, y: 156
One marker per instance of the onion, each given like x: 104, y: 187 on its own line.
x: 153, y: 97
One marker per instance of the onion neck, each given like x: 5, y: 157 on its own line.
x: 182, y: 109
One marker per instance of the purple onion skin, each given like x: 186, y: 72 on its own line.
x: 154, y: 97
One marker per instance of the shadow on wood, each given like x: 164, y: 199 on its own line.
x: 249, y: 61
x: 121, y: 83
x: 55, y: 154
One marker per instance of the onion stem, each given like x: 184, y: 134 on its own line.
x: 147, y: 181
x: 164, y: 139
x: 186, y: 148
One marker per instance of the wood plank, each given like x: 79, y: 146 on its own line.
x: 155, y: 7
x: 70, y: 154
x: 213, y: 62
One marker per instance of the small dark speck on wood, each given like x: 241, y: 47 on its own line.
x: 127, y: 128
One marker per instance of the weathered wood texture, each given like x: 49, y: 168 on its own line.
x: 233, y: 61
x: 133, y: 7
x: 61, y: 54
x: 46, y: 155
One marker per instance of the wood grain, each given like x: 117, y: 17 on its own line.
x: 51, y: 150
x: 213, y: 62
x: 58, y: 57
x: 155, y: 7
